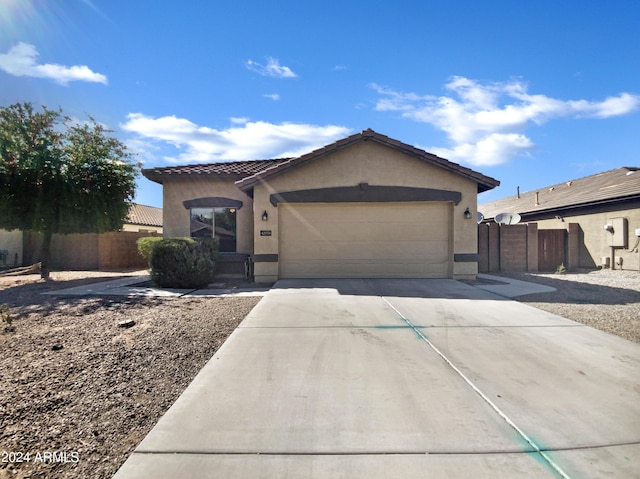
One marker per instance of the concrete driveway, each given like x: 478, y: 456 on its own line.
x: 407, y: 379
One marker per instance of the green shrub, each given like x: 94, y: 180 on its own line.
x: 183, y: 262
x: 6, y: 317
x: 145, y: 246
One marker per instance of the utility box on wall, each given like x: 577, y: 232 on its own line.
x: 618, y: 237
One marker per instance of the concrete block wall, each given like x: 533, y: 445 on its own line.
x: 11, y: 245
x: 91, y: 251
x: 119, y: 250
x: 507, y: 247
x: 515, y: 247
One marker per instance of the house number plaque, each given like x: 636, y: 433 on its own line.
x: 265, y: 232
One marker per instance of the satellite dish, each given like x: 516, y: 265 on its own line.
x: 480, y: 217
x: 507, y: 218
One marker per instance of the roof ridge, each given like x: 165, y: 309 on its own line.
x: 486, y: 181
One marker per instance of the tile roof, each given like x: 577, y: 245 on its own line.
x: 226, y: 170
x: 249, y: 173
x: 607, y: 187
x: 484, y: 182
x: 144, y: 215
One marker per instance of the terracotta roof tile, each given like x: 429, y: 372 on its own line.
x: 145, y: 215
x: 609, y: 186
x: 228, y: 169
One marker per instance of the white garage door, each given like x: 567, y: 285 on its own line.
x: 364, y: 240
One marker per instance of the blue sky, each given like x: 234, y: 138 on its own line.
x: 530, y: 93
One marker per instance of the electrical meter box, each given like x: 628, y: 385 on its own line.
x: 619, y: 237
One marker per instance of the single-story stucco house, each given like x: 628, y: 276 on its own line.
x: 364, y: 206
x: 605, y: 207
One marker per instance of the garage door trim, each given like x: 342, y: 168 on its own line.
x: 313, y: 242
x: 365, y: 193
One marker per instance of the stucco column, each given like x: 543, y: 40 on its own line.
x: 573, y: 246
x: 532, y: 247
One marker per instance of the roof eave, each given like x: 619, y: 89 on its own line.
x: 159, y: 176
x: 152, y: 174
x: 577, y: 206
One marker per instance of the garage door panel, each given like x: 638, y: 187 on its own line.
x: 342, y: 269
x: 364, y: 240
x: 372, y: 251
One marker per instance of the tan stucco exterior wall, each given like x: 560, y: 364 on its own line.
x: 375, y: 164
x: 12, y: 242
x: 176, y: 216
x: 141, y: 228
x: 594, y: 239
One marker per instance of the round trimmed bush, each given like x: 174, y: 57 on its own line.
x: 183, y: 262
x: 145, y: 246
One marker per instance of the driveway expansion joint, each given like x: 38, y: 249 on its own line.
x: 537, y: 450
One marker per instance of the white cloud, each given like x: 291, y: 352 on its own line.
x: 238, y: 120
x: 271, y: 69
x: 484, y: 122
x: 143, y: 149
x: 491, y: 150
x: 243, y: 141
x: 20, y: 60
x: 273, y: 96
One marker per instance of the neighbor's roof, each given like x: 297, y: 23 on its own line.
x: 249, y: 173
x: 484, y: 182
x: 224, y: 170
x: 144, y: 215
x: 611, y: 186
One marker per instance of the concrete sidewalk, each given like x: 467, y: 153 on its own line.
x: 511, y: 288
x: 402, y: 378
x: 136, y: 286
x: 133, y: 286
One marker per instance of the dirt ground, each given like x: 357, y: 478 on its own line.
x: 79, y: 392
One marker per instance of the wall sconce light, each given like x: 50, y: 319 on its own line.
x: 467, y: 214
x: 265, y: 216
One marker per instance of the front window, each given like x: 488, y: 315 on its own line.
x: 215, y: 223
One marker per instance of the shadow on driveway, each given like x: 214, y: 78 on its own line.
x: 404, y: 288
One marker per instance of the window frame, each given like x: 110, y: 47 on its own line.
x: 225, y: 246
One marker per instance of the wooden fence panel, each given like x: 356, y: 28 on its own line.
x: 551, y: 249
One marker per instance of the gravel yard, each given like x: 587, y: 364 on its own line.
x: 76, y: 384
x: 604, y: 299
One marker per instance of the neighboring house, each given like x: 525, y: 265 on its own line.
x: 364, y: 206
x: 606, y: 208
x: 144, y: 219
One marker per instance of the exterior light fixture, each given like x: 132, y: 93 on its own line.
x: 467, y: 214
x: 265, y: 216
